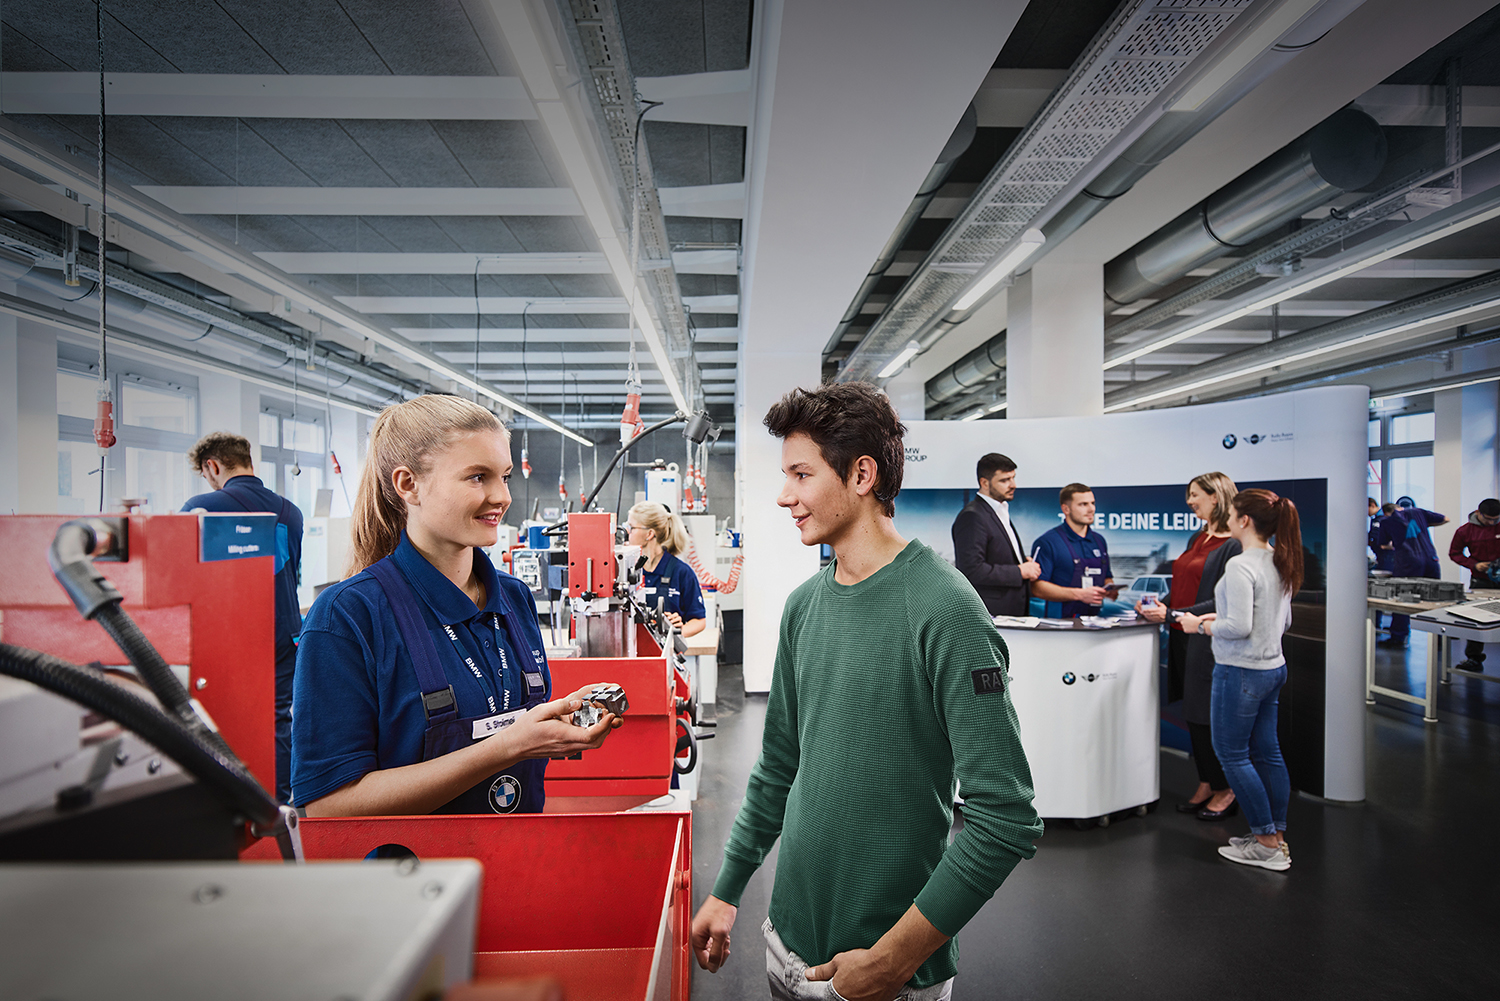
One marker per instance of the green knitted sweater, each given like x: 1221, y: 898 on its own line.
x: 884, y: 692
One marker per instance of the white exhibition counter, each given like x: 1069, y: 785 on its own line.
x: 1090, y: 715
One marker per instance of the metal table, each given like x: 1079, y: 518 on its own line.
x: 1435, y: 651
x: 1445, y: 628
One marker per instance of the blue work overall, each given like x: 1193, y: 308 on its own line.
x: 517, y: 789
x: 1083, y: 566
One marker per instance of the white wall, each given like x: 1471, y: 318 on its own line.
x: 28, y: 417
x: 1464, y: 461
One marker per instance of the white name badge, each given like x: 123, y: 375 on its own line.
x: 494, y: 724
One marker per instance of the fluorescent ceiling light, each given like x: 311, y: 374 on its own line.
x: 894, y: 365
x: 974, y: 416
x: 999, y: 406
x: 1453, y: 316
x: 1031, y: 241
x: 1490, y: 376
x: 1243, y: 52
x: 1299, y: 288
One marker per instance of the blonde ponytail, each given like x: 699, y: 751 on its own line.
x: 406, y: 434
x: 664, y: 524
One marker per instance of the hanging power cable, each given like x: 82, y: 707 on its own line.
x: 525, y: 395
x: 104, y: 422
x: 562, y: 440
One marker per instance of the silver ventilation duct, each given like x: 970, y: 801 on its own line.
x: 1345, y: 152
x: 958, y: 143
x: 1472, y: 294
x: 969, y: 373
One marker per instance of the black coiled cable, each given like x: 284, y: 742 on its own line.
x: 200, y: 758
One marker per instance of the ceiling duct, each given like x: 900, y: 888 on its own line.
x: 1143, y: 62
x: 958, y: 143
x: 969, y: 373
x: 1345, y: 152
x: 1461, y: 302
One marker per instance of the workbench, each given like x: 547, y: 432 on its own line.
x: 1428, y: 701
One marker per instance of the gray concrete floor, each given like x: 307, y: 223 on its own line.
x: 1395, y: 897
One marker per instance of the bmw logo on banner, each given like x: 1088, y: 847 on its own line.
x: 1230, y: 441
x: 505, y: 794
x: 1069, y: 677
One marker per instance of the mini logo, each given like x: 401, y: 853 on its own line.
x: 1069, y: 677
x: 1256, y: 439
x: 1230, y: 441
x: 1090, y: 677
x: 505, y: 794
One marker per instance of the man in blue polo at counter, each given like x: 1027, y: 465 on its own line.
x: 1074, y: 559
x: 224, y: 460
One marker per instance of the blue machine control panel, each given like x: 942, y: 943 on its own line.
x: 235, y: 536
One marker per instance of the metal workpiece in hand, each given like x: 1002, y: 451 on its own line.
x: 601, y: 699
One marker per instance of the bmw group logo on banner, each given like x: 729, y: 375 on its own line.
x: 505, y: 794
x: 1230, y: 441
x: 1069, y: 677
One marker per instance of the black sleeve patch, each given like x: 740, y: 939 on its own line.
x: 988, y: 682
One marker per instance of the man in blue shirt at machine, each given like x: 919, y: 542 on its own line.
x: 1074, y: 560
x: 224, y: 460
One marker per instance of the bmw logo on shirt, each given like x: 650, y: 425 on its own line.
x: 505, y: 794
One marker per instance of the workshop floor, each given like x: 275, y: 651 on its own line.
x: 1390, y: 898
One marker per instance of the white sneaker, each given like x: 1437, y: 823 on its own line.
x: 1258, y: 854
x: 1240, y: 841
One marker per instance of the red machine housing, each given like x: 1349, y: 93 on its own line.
x: 216, y: 617
x: 591, y: 555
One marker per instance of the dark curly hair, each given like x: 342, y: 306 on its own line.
x: 230, y: 450
x: 847, y: 420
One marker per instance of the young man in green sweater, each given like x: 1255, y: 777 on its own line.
x: 890, y: 682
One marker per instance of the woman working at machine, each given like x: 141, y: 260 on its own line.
x: 421, y: 682
x: 661, y: 536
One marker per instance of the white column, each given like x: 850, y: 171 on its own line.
x: 28, y: 417
x: 826, y: 185
x: 1054, y: 346
x: 908, y: 393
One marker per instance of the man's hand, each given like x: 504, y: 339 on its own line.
x: 860, y: 975
x: 1031, y: 570
x: 710, y: 937
x: 1091, y: 595
x: 1483, y: 567
x: 1151, y: 613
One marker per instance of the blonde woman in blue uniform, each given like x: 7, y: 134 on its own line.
x: 662, y: 538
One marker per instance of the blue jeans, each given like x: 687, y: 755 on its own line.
x: 1242, y: 717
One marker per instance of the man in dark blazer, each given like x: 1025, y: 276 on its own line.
x: 986, y: 548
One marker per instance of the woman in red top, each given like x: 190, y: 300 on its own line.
x: 1190, y: 659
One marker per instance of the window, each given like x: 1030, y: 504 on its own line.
x: 156, y: 422
x: 290, y: 442
x: 1409, y: 428
x: 1400, y: 456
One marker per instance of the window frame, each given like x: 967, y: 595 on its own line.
x: 1385, y: 452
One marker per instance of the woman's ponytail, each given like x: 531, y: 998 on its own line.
x: 407, y: 434
x: 1276, y: 516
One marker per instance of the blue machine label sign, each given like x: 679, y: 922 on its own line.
x: 235, y: 536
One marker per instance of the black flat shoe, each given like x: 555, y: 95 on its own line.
x: 1229, y: 811
x: 1191, y: 807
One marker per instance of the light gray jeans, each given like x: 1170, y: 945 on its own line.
x: 787, y: 974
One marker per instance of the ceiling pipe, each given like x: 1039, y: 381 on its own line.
x: 969, y: 374
x: 991, y: 398
x: 1461, y: 302
x: 1344, y: 152
x: 1168, y: 134
x: 21, y: 268
x: 958, y: 143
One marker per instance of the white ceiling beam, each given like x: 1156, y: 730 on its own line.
x: 561, y: 359
x: 1414, y: 104
x: 552, y: 335
x: 700, y: 98
x: 691, y: 262
x: 386, y: 304
x: 1010, y: 98
x: 708, y: 201
x: 241, y: 95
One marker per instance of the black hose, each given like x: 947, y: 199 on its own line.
x: 90, y: 688
x: 71, y: 559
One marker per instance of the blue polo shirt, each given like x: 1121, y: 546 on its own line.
x: 674, y: 580
x: 248, y: 493
x: 357, y: 704
x: 1057, y: 551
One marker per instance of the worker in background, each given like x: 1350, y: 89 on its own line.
x: 986, y: 548
x: 1385, y: 553
x: 1074, y: 559
x: 662, y: 537
x: 1407, y: 530
x: 1476, y: 545
x: 890, y: 684
x: 225, y: 462
x: 422, y: 683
